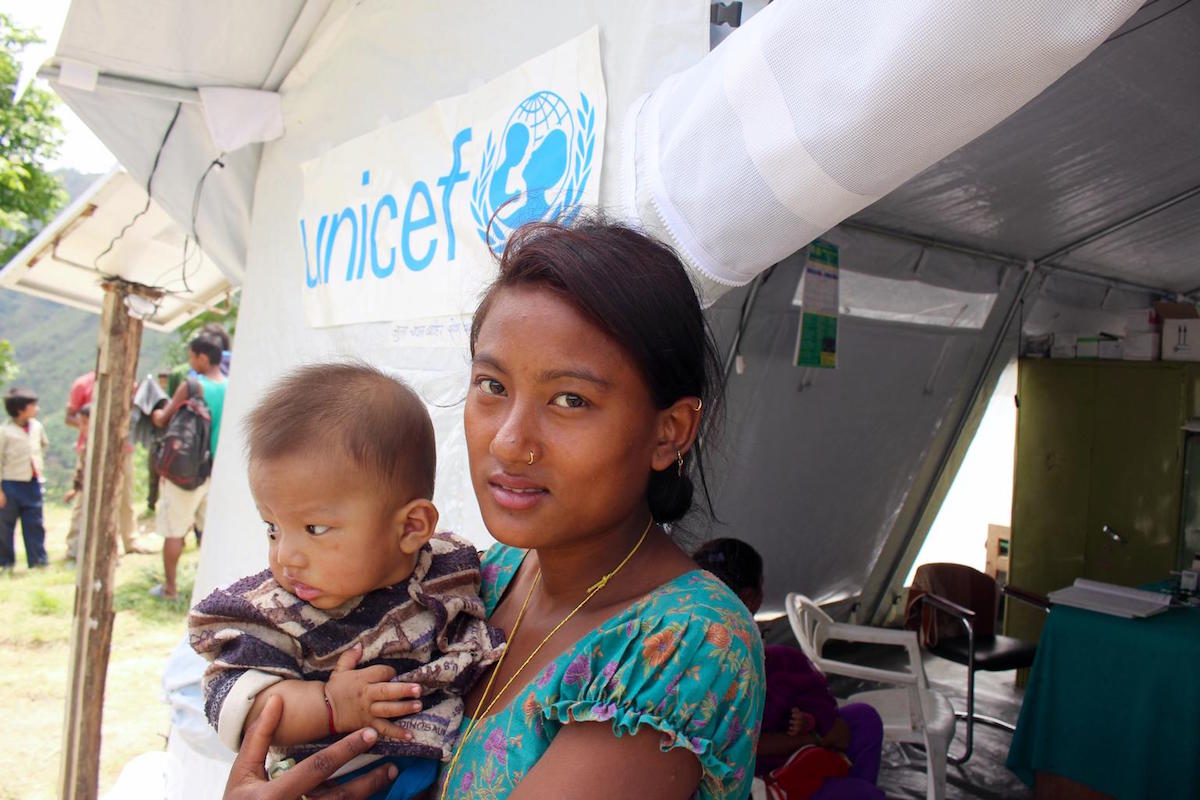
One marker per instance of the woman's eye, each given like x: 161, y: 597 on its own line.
x: 316, y: 530
x: 568, y: 400
x: 489, y: 386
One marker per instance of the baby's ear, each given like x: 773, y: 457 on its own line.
x: 415, y: 524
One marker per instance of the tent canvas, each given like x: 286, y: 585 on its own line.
x: 311, y: 44
x: 114, y: 230
x: 834, y: 473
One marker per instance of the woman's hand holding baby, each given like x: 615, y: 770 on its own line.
x: 359, y: 698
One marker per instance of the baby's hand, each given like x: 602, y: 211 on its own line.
x: 362, y: 697
x: 800, y: 722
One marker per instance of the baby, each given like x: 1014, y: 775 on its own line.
x: 341, y: 463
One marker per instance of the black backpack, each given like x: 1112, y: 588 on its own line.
x: 184, y: 454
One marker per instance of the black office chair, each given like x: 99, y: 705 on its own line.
x: 955, y: 608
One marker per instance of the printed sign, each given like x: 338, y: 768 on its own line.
x: 405, y: 223
x: 817, y: 296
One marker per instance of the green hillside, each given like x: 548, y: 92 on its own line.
x: 53, y: 345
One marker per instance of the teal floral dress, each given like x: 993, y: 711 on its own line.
x: 686, y: 660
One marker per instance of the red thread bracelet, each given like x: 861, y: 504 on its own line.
x: 329, y: 707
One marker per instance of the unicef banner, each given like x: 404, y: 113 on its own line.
x: 401, y: 224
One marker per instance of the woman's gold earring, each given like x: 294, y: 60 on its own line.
x: 531, y: 457
x: 699, y: 404
x: 679, y: 458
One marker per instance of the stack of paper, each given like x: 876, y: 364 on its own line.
x: 1109, y: 598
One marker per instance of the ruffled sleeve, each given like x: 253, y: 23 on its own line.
x: 688, y: 664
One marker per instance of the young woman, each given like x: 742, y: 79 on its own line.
x: 628, y: 672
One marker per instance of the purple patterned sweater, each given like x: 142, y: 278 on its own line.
x: 430, y: 628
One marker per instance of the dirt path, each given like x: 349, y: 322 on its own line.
x: 34, y: 649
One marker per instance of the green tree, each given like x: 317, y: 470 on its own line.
x: 8, y: 362
x: 30, y: 135
x: 225, y: 317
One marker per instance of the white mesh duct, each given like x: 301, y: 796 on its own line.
x: 813, y: 110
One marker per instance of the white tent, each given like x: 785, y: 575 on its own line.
x: 114, y: 230
x: 833, y: 474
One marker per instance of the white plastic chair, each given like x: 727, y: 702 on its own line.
x: 914, y: 713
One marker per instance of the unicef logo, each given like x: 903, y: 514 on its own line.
x: 538, y: 169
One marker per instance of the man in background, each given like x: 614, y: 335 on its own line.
x: 79, y: 401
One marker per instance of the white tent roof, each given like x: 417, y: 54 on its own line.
x: 1100, y: 174
x: 156, y: 55
x: 833, y: 475
x: 1079, y: 165
x: 113, y: 230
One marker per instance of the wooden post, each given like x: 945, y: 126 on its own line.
x: 91, y: 627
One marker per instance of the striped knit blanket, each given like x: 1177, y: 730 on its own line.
x: 431, y: 629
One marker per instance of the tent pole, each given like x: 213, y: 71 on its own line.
x: 876, y: 589
x: 1042, y: 263
x: 743, y: 321
x: 159, y: 91
x: 1108, y: 230
x: 926, y: 241
x: 875, y: 592
x: 91, y: 626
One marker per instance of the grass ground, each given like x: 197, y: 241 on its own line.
x: 36, y: 608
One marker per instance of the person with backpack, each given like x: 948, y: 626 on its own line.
x: 192, y: 419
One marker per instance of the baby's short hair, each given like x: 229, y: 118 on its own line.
x: 374, y: 418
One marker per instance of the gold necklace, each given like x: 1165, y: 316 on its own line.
x: 592, y: 590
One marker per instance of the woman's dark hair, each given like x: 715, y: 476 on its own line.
x: 636, y: 290
x: 15, y: 400
x: 737, y: 564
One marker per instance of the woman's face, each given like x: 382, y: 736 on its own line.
x: 546, y: 380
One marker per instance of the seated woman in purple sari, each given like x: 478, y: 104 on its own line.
x: 800, y: 710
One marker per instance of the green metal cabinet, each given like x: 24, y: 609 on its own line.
x: 1099, y: 443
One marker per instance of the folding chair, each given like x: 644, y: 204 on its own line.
x: 970, y: 600
x: 914, y: 713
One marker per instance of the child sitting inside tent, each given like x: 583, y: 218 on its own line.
x: 341, y: 467
x: 800, y: 711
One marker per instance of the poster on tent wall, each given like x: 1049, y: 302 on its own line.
x: 817, y: 296
x: 404, y: 223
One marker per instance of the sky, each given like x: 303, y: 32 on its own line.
x: 80, y: 150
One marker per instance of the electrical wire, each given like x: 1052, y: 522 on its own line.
x: 1139, y: 26
x: 195, y: 235
x: 193, y: 256
x: 149, y: 187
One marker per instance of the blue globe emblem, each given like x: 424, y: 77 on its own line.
x: 538, y: 168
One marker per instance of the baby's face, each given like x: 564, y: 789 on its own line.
x: 333, y: 536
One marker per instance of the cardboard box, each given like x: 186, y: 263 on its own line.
x: 1142, y: 320
x: 1111, y: 348
x: 1181, y: 340
x: 996, y: 563
x: 1180, y: 331
x: 1087, y: 347
x: 1140, y: 346
x: 1063, y: 345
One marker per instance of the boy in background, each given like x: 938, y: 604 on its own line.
x: 179, y: 508
x: 23, y: 446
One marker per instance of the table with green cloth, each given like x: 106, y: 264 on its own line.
x: 1114, y: 704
